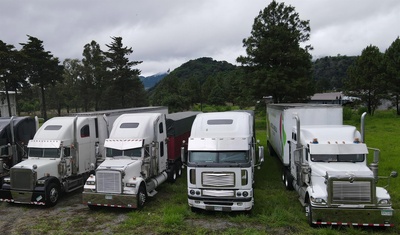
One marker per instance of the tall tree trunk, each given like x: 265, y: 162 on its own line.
x: 44, y: 113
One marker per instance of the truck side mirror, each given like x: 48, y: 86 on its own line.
x: 261, y: 154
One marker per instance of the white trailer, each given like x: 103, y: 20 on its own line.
x: 143, y: 151
x: 221, y: 161
x: 326, y: 163
x: 61, y: 156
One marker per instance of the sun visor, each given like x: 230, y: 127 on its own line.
x: 123, y: 144
x: 44, y: 143
x: 218, y: 144
x: 337, y: 149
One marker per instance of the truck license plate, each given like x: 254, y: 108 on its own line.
x: 109, y: 197
x: 218, y: 208
x: 386, y: 212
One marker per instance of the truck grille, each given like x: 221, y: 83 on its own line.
x: 22, y: 179
x: 108, y: 181
x: 223, y: 179
x: 351, y: 192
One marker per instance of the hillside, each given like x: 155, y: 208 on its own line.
x: 152, y: 80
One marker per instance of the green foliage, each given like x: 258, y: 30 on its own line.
x: 347, y: 113
x: 278, y: 66
x: 392, y: 61
x: 366, y: 80
x: 124, y: 88
x: 41, y: 67
x: 330, y: 72
x: 200, y: 81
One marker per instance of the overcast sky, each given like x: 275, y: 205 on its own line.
x: 164, y: 34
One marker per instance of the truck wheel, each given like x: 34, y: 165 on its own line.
x: 141, y: 197
x: 309, y: 214
x: 179, y: 169
x: 287, y: 179
x: 172, y: 175
x: 52, y: 194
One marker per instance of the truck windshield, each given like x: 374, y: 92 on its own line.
x: 337, y: 158
x: 44, y: 152
x: 218, y: 157
x: 136, y: 152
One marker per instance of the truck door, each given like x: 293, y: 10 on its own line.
x: 86, y: 137
x: 294, y: 160
x: 160, y: 162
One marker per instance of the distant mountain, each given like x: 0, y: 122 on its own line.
x: 152, y: 80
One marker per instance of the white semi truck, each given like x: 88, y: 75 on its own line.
x: 326, y: 163
x: 221, y: 161
x: 61, y: 156
x: 143, y: 151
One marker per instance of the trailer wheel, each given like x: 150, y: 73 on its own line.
x: 287, y: 179
x: 52, y: 194
x: 141, y: 197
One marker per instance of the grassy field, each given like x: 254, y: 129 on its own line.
x: 276, y: 210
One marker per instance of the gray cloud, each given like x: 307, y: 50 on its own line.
x: 165, y: 34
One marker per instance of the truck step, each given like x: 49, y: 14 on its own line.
x: 152, y: 193
x: 73, y: 184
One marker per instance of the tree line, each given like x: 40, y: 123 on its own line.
x: 274, y: 65
x: 101, y: 80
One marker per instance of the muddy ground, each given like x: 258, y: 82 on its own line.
x: 70, y: 216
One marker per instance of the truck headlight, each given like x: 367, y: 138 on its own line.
x: 7, y: 180
x: 385, y: 202
x: 90, y: 182
x: 40, y: 182
x: 133, y: 185
x: 318, y: 200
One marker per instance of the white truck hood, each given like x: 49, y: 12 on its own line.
x: 131, y: 167
x: 320, y: 168
x: 43, y: 167
x: 117, y: 163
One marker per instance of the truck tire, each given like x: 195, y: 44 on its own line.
x: 141, y: 197
x: 172, y: 174
x: 52, y: 194
x: 309, y: 214
x: 287, y: 179
x: 178, y: 169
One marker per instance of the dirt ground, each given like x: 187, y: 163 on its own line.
x: 20, y: 219
x: 74, y: 217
